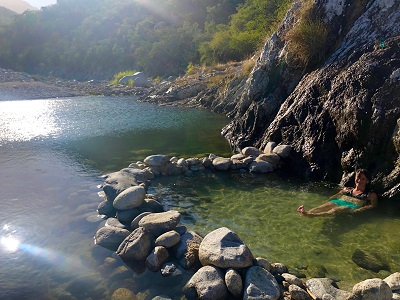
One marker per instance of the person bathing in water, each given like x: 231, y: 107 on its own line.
x: 353, y: 200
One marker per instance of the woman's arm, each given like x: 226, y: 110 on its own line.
x: 373, y: 198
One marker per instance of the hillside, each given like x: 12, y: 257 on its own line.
x: 18, y: 6
x: 6, y: 16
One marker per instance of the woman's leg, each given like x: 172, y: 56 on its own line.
x: 328, y: 208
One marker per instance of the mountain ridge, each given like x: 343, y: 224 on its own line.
x: 18, y: 6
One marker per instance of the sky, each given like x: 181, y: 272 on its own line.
x: 40, y: 3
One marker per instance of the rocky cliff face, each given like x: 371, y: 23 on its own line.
x: 340, y: 114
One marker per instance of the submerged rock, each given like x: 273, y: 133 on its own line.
x: 260, y: 284
x: 110, y: 237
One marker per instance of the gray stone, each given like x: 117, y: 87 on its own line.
x: 157, y: 160
x: 110, y: 237
x: 126, y: 216
x: 106, y: 208
x: 372, y: 289
x: 130, y: 198
x: 159, y: 223
x: 234, y: 282
x: 207, y: 284
x: 117, y: 182
x: 264, y: 263
x: 396, y: 295
x: 114, y: 222
x: 283, y: 150
x: 171, y: 269
x: 135, y: 222
x: 151, y: 205
x: 297, y: 293
x: 273, y: 159
x: 269, y: 147
x: 278, y: 268
x: 137, y: 246
x: 223, y: 248
x: 157, y: 258
x: 186, y: 251
x: 168, y: 239
x: 369, y: 260
x: 261, y: 167
x: 318, y: 287
x: 251, y: 151
x: 291, y: 279
x: 260, y: 284
x: 138, y: 79
x: 221, y: 163
x: 393, y: 281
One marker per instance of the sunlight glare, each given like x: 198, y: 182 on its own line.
x: 10, y: 243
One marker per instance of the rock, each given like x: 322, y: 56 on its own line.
x: 126, y: 216
x: 168, y: 239
x: 110, y: 237
x: 282, y: 150
x: 123, y: 294
x: 291, y: 279
x: 156, y: 160
x: 318, y: 287
x: 117, y: 182
x: 223, y: 248
x: 159, y: 223
x: 260, y: 284
x: 119, y: 274
x: 151, y: 205
x: 264, y: 263
x: 137, y: 246
x: 372, y: 289
x: 261, y: 167
x: 138, y: 79
x: 278, y: 268
x: 221, y: 163
x: 297, y: 293
x: 114, y: 222
x: 171, y: 269
x: 369, y: 260
x: 251, y: 151
x: 207, y: 283
x: 393, y: 281
x: 269, y: 147
x: 106, y: 208
x: 161, y: 297
x: 157, y: 258
x: 181, y: 229
x: 186, y: 251
x: 234, y: 283
x: 396, y: 296
x: 130, y: 198
x: 135, y: 222
x: 273, y: 159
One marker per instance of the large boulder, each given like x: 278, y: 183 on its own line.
x: 130, y: 198
x: 372, y: 289
x: 159, y: 223
x: 260, y: 284
x: 393, y: 281
x: 369, y: 260
x: 207, y: 284
x: 319, y: 287
x: 139, y: 79
x: 221, y: 163
x: 118, y: 182
x: 260, y: 166
x: 223, y: 248
x: 110, y: 237
x: 158, y: 160
x: 137, y: 246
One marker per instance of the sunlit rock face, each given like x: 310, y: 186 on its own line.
x: 341, y: 113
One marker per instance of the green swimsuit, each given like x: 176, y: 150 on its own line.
x: 351, y: 205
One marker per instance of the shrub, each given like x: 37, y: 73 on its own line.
x: 118, y: 76
x: 190, y: 68
x: 247, y: 66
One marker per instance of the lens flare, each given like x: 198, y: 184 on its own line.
x: 10, y: 243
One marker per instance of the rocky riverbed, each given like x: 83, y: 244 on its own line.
x: 20, y: 86
x: 219, y: 265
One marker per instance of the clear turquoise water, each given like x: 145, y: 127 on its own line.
x: 53, y: 153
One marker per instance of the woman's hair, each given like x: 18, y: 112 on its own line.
x: 365, y: 172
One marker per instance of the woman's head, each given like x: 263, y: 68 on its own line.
x: 362, y: 177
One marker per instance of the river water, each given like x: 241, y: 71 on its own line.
x: 53, y: 153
